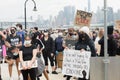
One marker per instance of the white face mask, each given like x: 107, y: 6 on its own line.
x: 15, y: 54
x: 75, y: 36
x: 18, y: 29
x: 60, y: 34
x: 27, y: 42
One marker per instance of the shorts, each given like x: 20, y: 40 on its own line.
x: 15, y: 57
x: 11, y: 56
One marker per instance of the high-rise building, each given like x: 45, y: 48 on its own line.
x: 110, y: 15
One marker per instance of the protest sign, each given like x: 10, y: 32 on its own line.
x: 76, y: 63
x: 82, y: 18
x: 26, y: 63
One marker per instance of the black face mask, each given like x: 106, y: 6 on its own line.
x: 83, y: 36
x: 70, y: 34
x: 12, y: 31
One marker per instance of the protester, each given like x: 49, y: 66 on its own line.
x: 54, y: 35
x: 59, y: 47
x: 13, y: 40
x: 28, y: 52
x: 116, y: 35
x: 94, y: 35
x: 112, y: 45
x: 35, y: 29
x: 48, y: 51
x: 99, y: 36
x: 20, y: 32
x: 40, y: 46
x: 84, y: 44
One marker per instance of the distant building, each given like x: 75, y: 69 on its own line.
x: 12, y: 22
x: 110, y: 15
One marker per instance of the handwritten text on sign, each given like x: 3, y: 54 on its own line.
x: 76, y: 63
x: 83, y: 18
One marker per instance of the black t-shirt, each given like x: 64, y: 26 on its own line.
x: 13, y: 40
x: 27, y: 52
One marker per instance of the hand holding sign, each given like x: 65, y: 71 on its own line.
x: 82, y: 50
x: 76, y: 63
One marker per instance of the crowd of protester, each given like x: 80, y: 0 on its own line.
x: 18, y: 45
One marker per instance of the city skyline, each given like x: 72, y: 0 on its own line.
x: 15, y: 8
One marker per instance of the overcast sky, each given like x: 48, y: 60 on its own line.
x: 15, y: 8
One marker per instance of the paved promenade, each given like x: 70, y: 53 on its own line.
x: 5, y: 74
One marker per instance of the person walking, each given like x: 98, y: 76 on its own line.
x: 112, y: 44
x: 41, y: 66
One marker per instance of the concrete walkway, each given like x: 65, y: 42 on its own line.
x: 5, y: 73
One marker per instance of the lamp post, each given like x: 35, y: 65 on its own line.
x: 34, y: 9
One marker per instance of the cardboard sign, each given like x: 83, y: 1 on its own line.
x: 82, y: 18
x: 76, y: 63
x: 26, y: 63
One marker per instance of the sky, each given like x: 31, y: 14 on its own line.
x: 10, y: 9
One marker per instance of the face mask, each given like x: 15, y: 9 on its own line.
x: 75, y: 36
x: 60, y: 34
x: 18, y: 29
x: 27, y: 42
x: 15, y: 54
x: 12, y: 31
x: 83, y: 37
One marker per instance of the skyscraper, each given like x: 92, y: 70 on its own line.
x: 89, y: 6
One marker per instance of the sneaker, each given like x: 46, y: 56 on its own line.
x: 38, y: 78
x: 54, y: 72
x: 65, y: 76
x: 0, y: 77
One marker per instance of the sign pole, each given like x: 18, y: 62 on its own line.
x: 106, y: 60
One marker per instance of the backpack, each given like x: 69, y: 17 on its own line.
x: 59, y: 44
